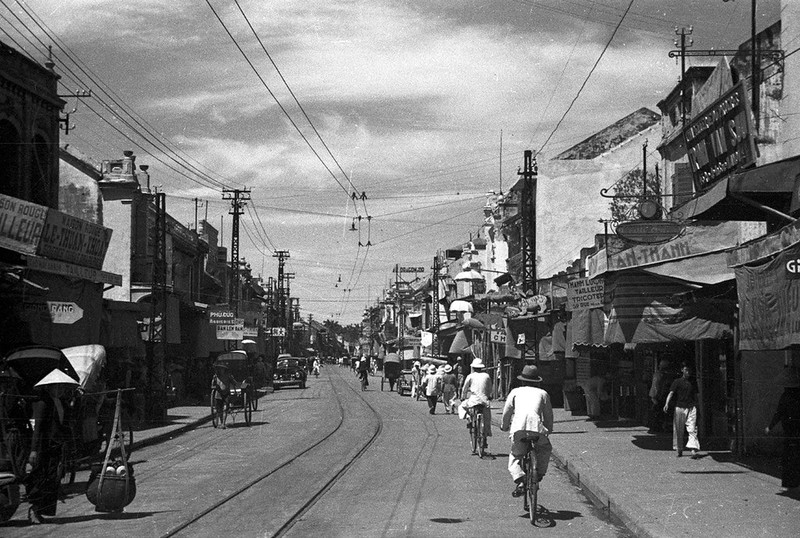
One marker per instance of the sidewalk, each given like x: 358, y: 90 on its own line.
x: 640, y: 480
x: 179, y: 420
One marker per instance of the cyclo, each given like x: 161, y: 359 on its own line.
x: 232, y: 388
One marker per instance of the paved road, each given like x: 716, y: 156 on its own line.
x: 416, y: 478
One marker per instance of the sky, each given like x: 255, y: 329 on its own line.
x: 420, y: 107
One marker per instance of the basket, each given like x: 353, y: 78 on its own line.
x: 117, y: 491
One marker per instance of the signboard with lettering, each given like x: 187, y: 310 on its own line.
x: 74, y: 240
x: 64, y: 312
x: 411, y: 269
x: 250, y: 332
x: 497, y: 337
x: 21, y: 224
x: 719, y: 139
x: 584, y: 293
x: 275, y: 331
x: 56, y: 267
x: 220, y: 316
x: 230, y: 332
x: 649, y: 231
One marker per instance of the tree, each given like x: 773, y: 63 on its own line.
x: 628, y: 193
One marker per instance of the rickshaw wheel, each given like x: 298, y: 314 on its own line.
x: 214, y: 415
x: 255, y: 400
x: 247, y: 403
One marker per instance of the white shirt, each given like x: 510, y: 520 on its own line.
x: 527, y: 409
x: 478, y: 385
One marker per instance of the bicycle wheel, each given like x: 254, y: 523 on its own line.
x: 214, y: 413
x: 532, y: 485
x: 473, y: 434
x: 247, y: 402
x: 481, y: 437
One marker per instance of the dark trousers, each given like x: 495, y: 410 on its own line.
x: 432, y: 403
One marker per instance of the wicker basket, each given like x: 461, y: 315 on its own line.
x: 118, y: 491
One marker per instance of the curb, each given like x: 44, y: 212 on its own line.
x: 631, y: 515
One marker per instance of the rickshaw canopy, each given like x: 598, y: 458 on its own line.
x: 87, y: 361
x: 237, y: 362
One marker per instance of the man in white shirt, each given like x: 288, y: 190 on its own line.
x: 477, y: 390
x: 528, y: 415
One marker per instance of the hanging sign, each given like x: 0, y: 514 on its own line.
x: 21, y: 224
x: 230, y: 332
x: 498, y: 337
x: 411, y: 269
x: 649, y: 232
x: 64, y: 312
x: 220, y: 316
x: 719, y: 139
x: 74, y: 240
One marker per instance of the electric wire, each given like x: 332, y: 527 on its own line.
x: 275, y: 98
x: 586, y: 80
x: 152, y: 136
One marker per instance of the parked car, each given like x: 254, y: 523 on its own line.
x: 289, y: 371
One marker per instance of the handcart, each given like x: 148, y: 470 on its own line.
x: 241, y: 398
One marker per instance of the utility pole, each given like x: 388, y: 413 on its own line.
x: 282, y: 256
x: 435, y: 304
x: 529, y: 175
x: 156, y: 398
x: 644, y: 170
x: 683, y: 32
x: 238, y: 197
x: 399, y: 313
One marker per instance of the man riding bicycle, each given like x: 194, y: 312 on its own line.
x: 477, y: 392
x: 528, y: 416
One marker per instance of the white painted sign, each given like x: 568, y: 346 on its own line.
x: 64, y: 313
x: 230, y: 332
x: 584, y: 293
x: 498, y: 337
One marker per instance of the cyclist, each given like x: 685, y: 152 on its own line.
x: 363, y: 372
x: 528, y: 415
x: 477, y: 390
x: 315, y: 367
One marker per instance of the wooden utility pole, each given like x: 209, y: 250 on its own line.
x: 238, y: 197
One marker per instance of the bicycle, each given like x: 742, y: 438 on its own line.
x: 477, y: 436
x: 531, y: 497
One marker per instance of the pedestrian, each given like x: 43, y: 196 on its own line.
x: 477, y: 391
x: 416, y: 378
x: 449, y: 388
x: 224, y: 383
x: 657, y: 394
x: 528, y: 417
x: 432, y: 385
x: 49, y: 432
x: 684, y: 393
x: 260, y: 372
x: 788, y: 414
x: 595, y: 392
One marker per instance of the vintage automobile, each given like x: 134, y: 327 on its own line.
x: 289, y: 371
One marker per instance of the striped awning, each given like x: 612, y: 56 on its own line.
x: 647, y: 309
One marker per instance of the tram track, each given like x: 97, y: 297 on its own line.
x: 295, y: 459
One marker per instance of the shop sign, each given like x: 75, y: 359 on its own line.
x: 719, y: 140
x: 792, y: 268
x: 649, y: 231
x: 250, y: 332
x: 64, y: 312
x: 230, y: 332
x: 74, y: 240
x: 21, y: 224
x: 534, y: 304
x: 584, y: 293
x: 498, y: 337
x: 276, y: 331
x: 411, y: 269
x: 72, y: 270
x: 220, y: 316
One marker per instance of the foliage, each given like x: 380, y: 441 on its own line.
x: 628, y: 194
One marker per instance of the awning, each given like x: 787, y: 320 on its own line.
x: 646, y: 309
x: 738, y: 196
x: 586, y: 328
x: 707, y: 269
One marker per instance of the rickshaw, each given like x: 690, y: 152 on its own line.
x: 242, y: 396
x: 391, y: 369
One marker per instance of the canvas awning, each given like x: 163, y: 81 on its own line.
x: 586, y: 328
x: 750, y: 195
x: 647, y: 309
